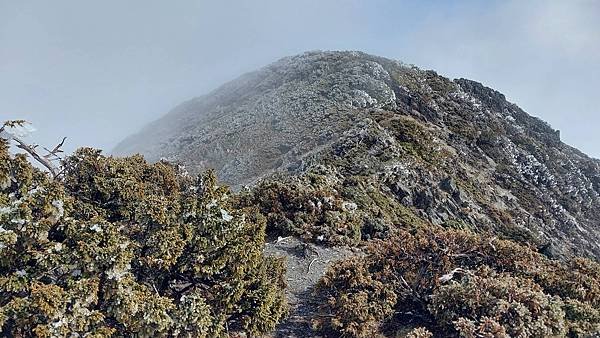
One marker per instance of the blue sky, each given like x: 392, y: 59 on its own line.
x: 98, y: 71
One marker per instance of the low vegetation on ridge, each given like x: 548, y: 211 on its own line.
x: 120, y: 247
x: 456, y: 283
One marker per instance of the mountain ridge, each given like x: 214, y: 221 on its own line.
x: 455, y: 152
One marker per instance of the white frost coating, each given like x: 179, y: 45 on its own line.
x: 18, y: 221
x: 189, y: 214
x: 22, y: 130
x: 349, y: 206
x: 362, y: 99
x: 225, y: 215
x: 35, y: 190
x: 117, y: 274
x: 58, y: 323
x: 4, y: 210
x: 58, y: 204
x: 467, y: 97
x: 96, y: 228
x: 447, y: 277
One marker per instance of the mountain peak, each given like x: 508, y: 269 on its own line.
x: 274, y: 107
x: 407, y: 131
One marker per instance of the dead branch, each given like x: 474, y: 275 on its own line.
x: 41, y: 159
x: 45, y: 160
x: 310, y: 265
x: 54, y: 152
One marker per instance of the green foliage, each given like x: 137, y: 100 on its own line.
x: 120, y: 247
x: 307, y: 207
x: 327, y: 207
x: 411, y: 135
x: 459, y: 283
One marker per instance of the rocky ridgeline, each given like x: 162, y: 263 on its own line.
x: 385, y: 136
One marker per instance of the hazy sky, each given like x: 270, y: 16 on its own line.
x: 96, y: 71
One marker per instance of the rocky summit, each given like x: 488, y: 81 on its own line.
x: 453, y: 152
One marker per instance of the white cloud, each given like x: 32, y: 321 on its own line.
x: 569, y: 27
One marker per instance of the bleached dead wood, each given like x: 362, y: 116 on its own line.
x: 45, y: 160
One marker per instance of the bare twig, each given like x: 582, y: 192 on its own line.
x: 45, y: 160
x: 447, y: 277
x: 311, y: 263
x: 281, y: 239
x: 54, y: 152
x: 42, y: 160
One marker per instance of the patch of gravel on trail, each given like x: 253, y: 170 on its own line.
x: 306, y: 264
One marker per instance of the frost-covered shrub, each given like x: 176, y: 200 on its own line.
x: 419, y: 332
x: 486, y: 302
x: 325, y: 207
x: 458, y: 283
x: 583, y: 318
x: 305, y: 207
x: 358, y: 301
x: 120, y: 247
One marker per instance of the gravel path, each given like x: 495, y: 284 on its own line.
x: 306, y: 264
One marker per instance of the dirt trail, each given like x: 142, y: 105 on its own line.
x: 306, y: 263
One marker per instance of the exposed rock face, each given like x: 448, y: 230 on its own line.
x: 454, y: 151
x: 267, y: 119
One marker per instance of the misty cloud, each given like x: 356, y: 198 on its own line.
x: 98, y: 71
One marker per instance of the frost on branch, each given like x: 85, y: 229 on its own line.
x: 16, y: 130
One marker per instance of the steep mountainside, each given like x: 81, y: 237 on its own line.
x: 385, y: 136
